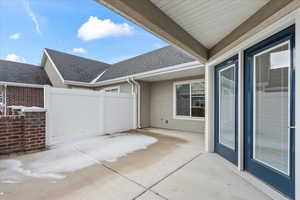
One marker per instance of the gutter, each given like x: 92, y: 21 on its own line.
x: 21, y: 84
x: 174, y: 68
x: 77, y: 83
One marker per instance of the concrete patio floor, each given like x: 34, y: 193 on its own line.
x: 174, y: 168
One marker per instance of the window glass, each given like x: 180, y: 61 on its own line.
x: 190, y: 99
x: 198, y: 100
x: 183, y: 100
x: 227, y: 103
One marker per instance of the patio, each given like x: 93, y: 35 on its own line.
x: 174, y: 167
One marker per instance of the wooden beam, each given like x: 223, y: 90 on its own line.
x: 145, y: 14
x: 272, y: 11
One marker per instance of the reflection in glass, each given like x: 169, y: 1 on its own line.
x: 183, y: 100
x: 271, y: 107
x: 227, y: 107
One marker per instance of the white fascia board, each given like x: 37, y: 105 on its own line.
x: 174, y: 68
x: 94, y: 81
x: 21, y: 84
x: 77, y: 83
x: 54, y: 66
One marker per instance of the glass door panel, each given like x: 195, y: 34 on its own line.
x: 226, y: 109
x: 271, y: 107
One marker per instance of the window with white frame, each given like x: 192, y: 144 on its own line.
x: 189, y: 99
x: 112, y: 89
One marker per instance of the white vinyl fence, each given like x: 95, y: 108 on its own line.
x: 76, y: 113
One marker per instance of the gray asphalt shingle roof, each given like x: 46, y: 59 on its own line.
x: 164, y: 57
x: 75, y: 68
x: 22, y: 73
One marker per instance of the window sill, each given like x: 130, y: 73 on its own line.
x: 190, y: 118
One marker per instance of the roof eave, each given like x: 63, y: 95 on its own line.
x: 174, y: 68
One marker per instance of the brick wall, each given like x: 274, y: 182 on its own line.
x: 22, y: 133
x: 25, y: 96
x: 11, y: 134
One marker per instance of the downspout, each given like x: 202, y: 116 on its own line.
x: 135, y: 106
x: 138, y: 102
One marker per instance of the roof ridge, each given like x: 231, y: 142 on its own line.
x: 31, y: 65
x: 47, y: 49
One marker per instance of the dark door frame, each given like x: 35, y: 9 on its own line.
x: 278, y: 180
x: 229, y: 154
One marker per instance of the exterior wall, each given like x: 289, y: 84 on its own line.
x: 124, y: 87
x: 24, y: 96
x: 53, y: 76
x: 145, y: 104
x: 21, y: 133
x: 161, y: 106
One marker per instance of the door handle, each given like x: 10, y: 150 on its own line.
x: 292, y: 127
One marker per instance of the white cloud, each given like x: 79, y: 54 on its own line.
x: 157, y: 45
x: 32, y: 15
x: 13, y: 57
x: 79, y: 50
x: 15, y: 36
x: 96, y: 28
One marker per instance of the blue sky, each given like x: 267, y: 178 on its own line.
x: 84, y: 28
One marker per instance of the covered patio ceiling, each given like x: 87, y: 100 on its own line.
x: 202, y: 28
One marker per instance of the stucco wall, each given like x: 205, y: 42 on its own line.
x: 53, y: 76
x: 161, y: 106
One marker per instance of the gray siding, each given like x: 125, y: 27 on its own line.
x: 161, y: 106
x: 124, y: 87
x: 145, y: 104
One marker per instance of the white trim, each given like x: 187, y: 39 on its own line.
x: 240, y: 94
x: 180, y: 117
x: 94, y: 81
x: 170, y: 69
x: 54, y: 66
x: 297, y: 108
x: 21, y: 84
x: 174, y: 68
x: 78, y: 83
x: 189, y: 118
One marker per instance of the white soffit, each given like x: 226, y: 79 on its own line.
x: 174, y: 75
x: 209, y: 21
